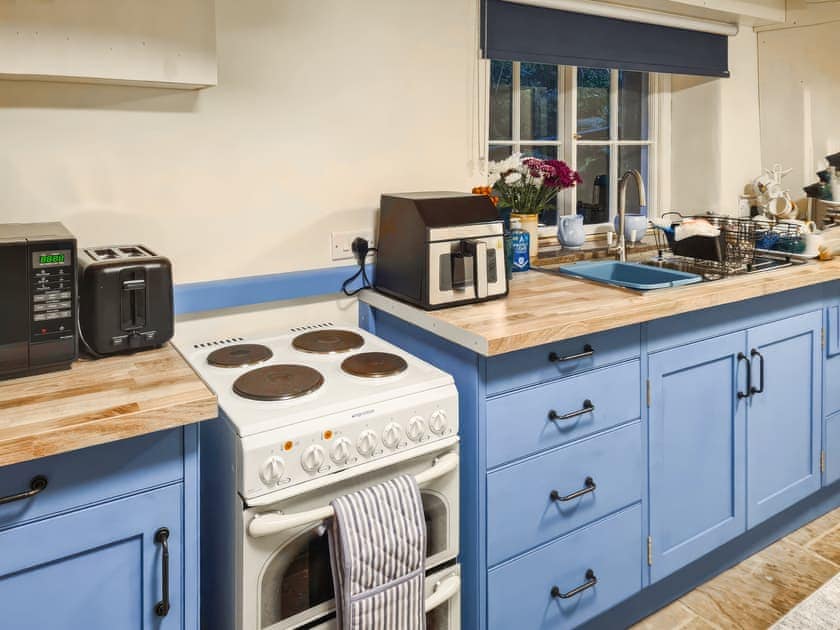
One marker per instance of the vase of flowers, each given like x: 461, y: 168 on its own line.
x: 526, y: 185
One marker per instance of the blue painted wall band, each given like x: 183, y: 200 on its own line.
x: 204, y: 296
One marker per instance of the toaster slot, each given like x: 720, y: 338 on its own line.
x: 133, y: 300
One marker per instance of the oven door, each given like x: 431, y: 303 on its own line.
x: 287, y: 580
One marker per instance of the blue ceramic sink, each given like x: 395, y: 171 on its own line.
x: 631, y: 275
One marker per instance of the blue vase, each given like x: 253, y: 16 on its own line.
x: 635, y: 227
x: 570, y: 231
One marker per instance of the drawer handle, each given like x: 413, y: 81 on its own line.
x: 588, y: 486
x: 588, y: 407
x: 36, y: 486
x: 591, y: 581
x: 748, y: 393
x: 753, y: 389
x: 588, y: 351
x: 162, y: 538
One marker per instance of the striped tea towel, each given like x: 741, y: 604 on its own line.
x: 378, y: 553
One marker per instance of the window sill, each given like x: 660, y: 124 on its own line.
x: 552, y: 253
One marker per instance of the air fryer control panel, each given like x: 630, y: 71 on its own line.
x: 52, y: 288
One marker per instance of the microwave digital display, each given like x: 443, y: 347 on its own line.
x: 55, y: 258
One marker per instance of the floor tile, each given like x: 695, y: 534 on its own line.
x: 672, y: 616
x: 827, y: 546
x: 822, y: 525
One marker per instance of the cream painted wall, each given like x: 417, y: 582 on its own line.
x: 800, y: 92
x: 321, y: 106
x: 715, y: 133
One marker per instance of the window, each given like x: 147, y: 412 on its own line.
x: 602, y: 122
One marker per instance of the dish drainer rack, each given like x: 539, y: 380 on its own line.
x: 734, y: 250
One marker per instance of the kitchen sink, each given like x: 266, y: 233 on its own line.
x: 631, y: 275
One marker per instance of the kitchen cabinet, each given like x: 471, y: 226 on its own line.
x: 99, y: 568
x: 784, y: 414
x: 697, y: 450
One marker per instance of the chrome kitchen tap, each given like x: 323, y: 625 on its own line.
x: 622, y: 207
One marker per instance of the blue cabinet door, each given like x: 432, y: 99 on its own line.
x: 99, y: 568
x: 784, y: 415
x: 697, y: 447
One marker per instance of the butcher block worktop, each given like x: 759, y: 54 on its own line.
x: 99, y: 401
x: 546, y: 307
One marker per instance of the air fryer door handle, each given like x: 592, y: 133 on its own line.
x: 480, y: 269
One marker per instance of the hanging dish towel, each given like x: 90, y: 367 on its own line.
x: 378, y: 555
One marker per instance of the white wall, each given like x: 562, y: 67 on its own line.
x: 321, y: 106
x: 800, y: 92
x: 715, y: 133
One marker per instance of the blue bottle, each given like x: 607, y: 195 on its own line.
x: 521, y: 245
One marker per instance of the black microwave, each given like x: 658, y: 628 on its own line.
x: 38, y: 296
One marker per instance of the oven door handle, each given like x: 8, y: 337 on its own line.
x: 269, y: 523
x: 444, y: 590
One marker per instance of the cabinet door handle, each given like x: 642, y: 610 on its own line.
x: 588, y: 351
x: 162, y: 538
x: 36, y: 486
x: 588, y: 407
x: 591, y: 581
x: 753, y: 354
x: 748, y: 392
x: 588, y: 486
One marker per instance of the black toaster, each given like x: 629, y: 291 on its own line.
x: 125, y: 299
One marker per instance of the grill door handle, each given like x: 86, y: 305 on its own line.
x: 36, y: 486
x: 588, y: 486
x: 588, y: 351
x: 753, y: 389
x: 588, y: 407
x: 591, y: 581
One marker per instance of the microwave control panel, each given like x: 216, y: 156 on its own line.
x: 53, y: 293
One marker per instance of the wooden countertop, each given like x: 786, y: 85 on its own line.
x: 544, y: 307
x: 99, y: 401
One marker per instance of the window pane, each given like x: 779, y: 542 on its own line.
x: 636, y: 158
x: 499, y: 152
x: 593, y: 195
x: 633, y: 105
x: 593, y: 106
x: 538, y: 101
x: 549, y: 215
x: 501, y: 110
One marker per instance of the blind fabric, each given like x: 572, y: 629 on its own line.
x: 518, y: 32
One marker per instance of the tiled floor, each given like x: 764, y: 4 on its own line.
x: 756, y: 593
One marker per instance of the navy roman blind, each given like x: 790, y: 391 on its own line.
x: 518, y: 32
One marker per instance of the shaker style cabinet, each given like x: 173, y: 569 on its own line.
x: 697, y: 421
x: 735, y: 435
x: 100, y: 568
x: 784, y: 414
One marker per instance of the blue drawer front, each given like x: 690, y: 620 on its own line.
x: 519, y: 592
x: 534, y: 365
x: 519, y: 424
x: 521, y: 513
x: 90, y: 475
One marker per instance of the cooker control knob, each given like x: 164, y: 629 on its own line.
x: 313, y: 458
x: 341, y: 450
x: 416, y: 428
x: 367, y: 443
x: 272, y: 470
x: 438, y: 423
x: 392, y: 435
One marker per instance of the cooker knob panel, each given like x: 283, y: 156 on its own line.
x: 416, y: 428
x: 438, y: 423
x: 313, y: 458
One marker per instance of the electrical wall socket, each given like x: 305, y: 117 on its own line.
x: 342, y: 243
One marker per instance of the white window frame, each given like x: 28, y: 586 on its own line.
x: 658, y: 143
